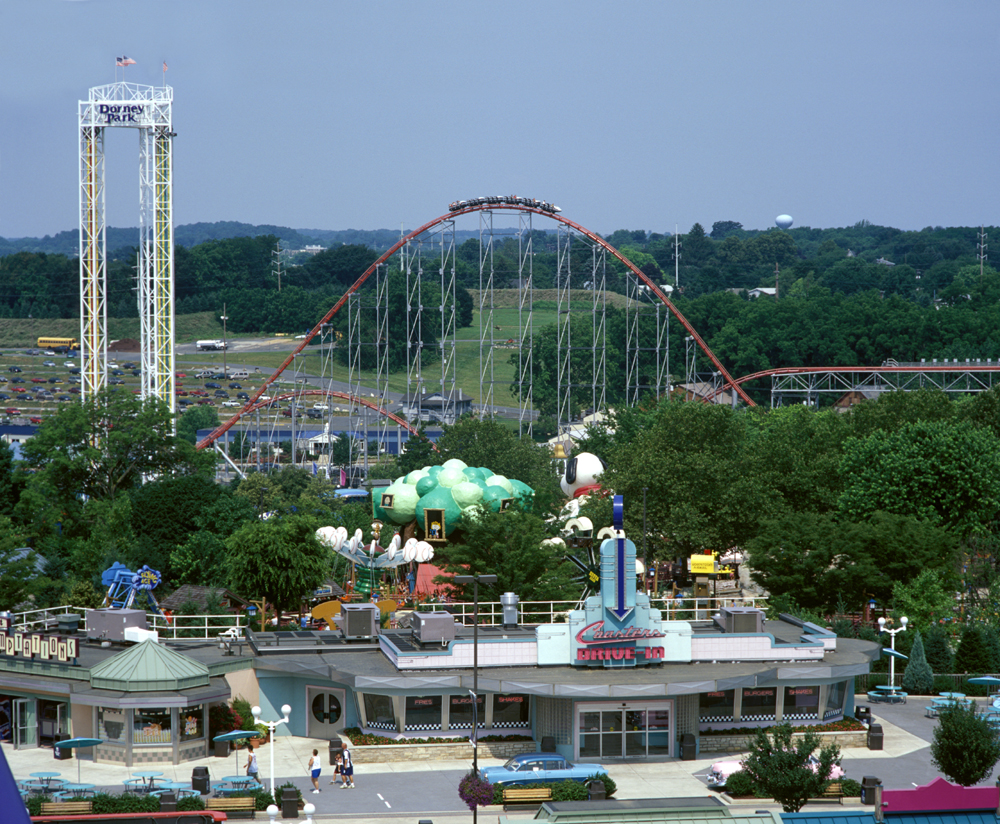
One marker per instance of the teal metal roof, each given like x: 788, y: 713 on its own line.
x: 645, y: 811
x: 148, y: 667
x: 859, y: 817
x: 863, y: 815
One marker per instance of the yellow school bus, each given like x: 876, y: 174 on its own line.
x: 58, y: 343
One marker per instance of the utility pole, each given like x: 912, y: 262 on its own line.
x: 677, y: 258
x: 776, y: 280
x: 225, y: 342
x: 276, y: 263
x: 981, y: 251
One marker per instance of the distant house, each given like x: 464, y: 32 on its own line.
x: 766, y: 291
x: 435, y: 407
x: 856, y: 396
x: 200, y: 596
x: 701, y: 390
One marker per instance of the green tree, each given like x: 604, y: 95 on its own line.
x: 924, y: 600
x: 195, y: 418
x: 918, y: 677
x: 938, y: 650
x: 965, y: 747
x: 278, y: 559
x: 974, y: 655
x: 779, y: 766
x: 508, y: 545
x: 20, y: 577
x: 418, y: 452
x: 947, y: 473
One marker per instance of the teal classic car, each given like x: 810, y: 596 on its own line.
x: 537, y: 768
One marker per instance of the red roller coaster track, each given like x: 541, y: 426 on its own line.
x: 251, y: 404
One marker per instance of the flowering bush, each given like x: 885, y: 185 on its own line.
x: 475, y: 791
x: 356, y: 736
x: 845, y: 725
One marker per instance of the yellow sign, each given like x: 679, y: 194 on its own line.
x: 703, y: 564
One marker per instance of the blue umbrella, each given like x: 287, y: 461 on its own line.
x: 10, y: 796
x: 893, y: 653
x: 72, y: 743
x: 237, y: 735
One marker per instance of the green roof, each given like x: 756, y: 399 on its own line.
x: 148, y: 667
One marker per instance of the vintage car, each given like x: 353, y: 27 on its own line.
x: 538, y: 767
x: 721, y: 770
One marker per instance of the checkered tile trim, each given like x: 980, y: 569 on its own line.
x: 711, y: 719
x: 832, y: 714
x: 770, y: 717
x: 417, y: 727
x: 510, y: 725
x: 382, y: 725
x: 801, y: 716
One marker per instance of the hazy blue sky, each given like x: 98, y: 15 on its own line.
x: 635, y: 115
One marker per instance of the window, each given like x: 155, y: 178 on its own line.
x: 191, y: 723
x: 511, y: 711
x: 111, y: 724
x: 378, y: 712
x: 460, y: 711
x: 801, y: 703
x: 716, y: 706
x: 151, y: 726
x: 423, y: 713
x: 759, y: 704
x: 835, y: 699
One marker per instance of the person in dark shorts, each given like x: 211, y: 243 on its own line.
x: 347, y: 770
x: 338, y: 765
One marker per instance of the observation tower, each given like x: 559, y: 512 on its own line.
x: 149, y: 110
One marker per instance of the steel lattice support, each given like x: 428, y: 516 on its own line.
x: 150, y: 110
x: 647, y: 343
x: 598, y: 284
x: 353, y: 362
x: 381, y: 359
x: 486, y: 339
x: 411, y: 258
x: 93, y: 277
x: 564, y: 335
x: 448, y: 316
x: 526, y: 299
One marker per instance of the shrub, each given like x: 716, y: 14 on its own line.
x: 850, y: 788
x: 740, y: 785
x: 609, y: 783
x: 565, y: 790
x: 222, y: 718
x: 190, y: 803
x: 918, y: 678
x: 937, y: 648
x: 943, y: 683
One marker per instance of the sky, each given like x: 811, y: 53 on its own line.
x: 636, y: 114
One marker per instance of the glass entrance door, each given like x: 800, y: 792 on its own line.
x: 326, y: 712
x: 629, y: 730
x: 25, y: 723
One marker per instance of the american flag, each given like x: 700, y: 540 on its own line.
x: 124, y: 61
x: 164, y: 65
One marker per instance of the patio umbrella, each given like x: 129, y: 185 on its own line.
x: 893, y: 653
x: 237, y: 735
x: 10, y: 797
x: 74, y: 743
x: 989, y: 680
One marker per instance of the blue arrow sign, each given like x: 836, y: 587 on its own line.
x: 620, y: 609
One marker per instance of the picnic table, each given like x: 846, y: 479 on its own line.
x: 47, y: 778
x: 238, y: 783
x: 77, y: 790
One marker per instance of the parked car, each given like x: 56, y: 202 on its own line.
x: 13, y: 368
x: 75, y: 370
x: 235, y: 386
x: 539, y: 767
x: 116, y: 381
x: 117, y: 372
x: 75, y: 390
x: 180, y: 393
x: 38, y: 380
x: 70, y: 365
x: 314, y: 413
x: 182, y: 374
x: 18, y: 389
x: 232, y: 404
x: 48, y: 363
x: 243, y: 396
x: 213, y: 385
x: 12, y: 410
x: 201, y: 393
x: 136, y: 373
x: 4, y: 396
x: 221, y: 393
x: 64, y: 398
x: 721, y: 770
x: 17, y: 380
x: 35, y: 419
x: 55, y: 380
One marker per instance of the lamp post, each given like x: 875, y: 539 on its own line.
x: 271, y: 727
x: 224, y: 318
x: 475, y: 580
x: 892, y: 643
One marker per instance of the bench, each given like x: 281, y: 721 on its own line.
x: 246, y: 804
x: 834, y: 792
x: 526, y: 795
x: 67, y: 807
x: 931, y: 712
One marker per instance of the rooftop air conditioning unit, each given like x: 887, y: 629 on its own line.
x: 742, y: 619
x: 433, y: 627
x: 359, y: 621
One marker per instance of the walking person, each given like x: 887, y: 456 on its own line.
x: 338, y: 765
x: 252, y: 763
x: 315, y: 766
x: 347, y: 769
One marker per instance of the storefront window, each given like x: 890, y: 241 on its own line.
x: 151, y: 726
x: 111, y: 724
x: 759, y: 704
x: 191, y: 726
x: 835, y: 699
x: 510, y: 711
x: 460, y: 711
x: 590, y: 734
x: 378, y: 712
x: 716, y: 706
x: 801, y: 703
x: 423, y: 713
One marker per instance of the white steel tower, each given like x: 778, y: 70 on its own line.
x: 148, y: 109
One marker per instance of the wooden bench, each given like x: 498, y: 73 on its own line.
x: 526, y: 795
x: 67, y: 807
x: 246, y: 804
x: 834, y: 792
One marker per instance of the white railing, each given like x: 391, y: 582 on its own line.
x: 176, y: 626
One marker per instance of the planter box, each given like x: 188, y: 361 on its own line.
x: 847, y: 740
x: 438, y: 752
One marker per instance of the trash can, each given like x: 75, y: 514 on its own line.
x: 863, y: 713
x: 688, y: 747
x: 874, y: 736
x: 200, y: 780
x: 596, y: 791
x: 59, y: 753
x: 168, y: 803
x: 548, y: 743
x: 334, y: 749
x: 222, y: 749
x: 289, y: 802
x: 868, y: 785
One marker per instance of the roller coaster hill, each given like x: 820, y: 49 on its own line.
x: 580, y: 280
